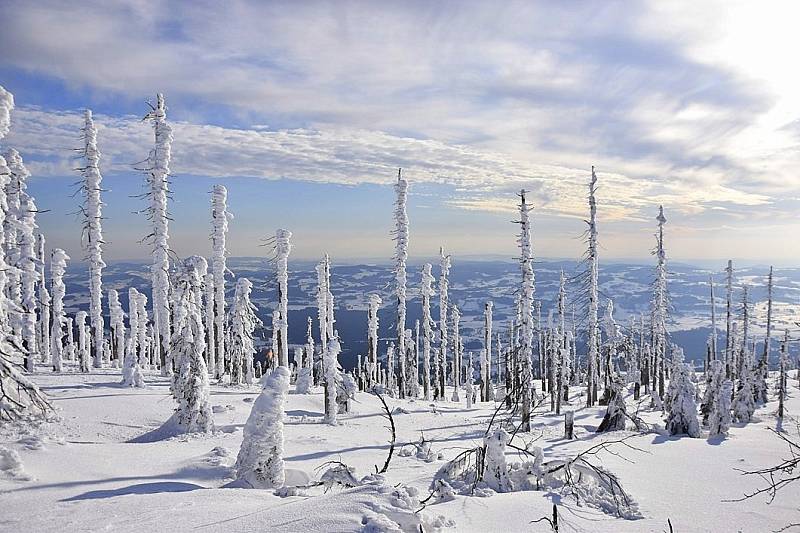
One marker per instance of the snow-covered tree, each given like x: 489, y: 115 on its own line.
x: 495, y: 474
x: 219, y: 229
x: 440, y: 366
x: 27, y: 259
x: 330, y: 363
x: 283, y: 247
x: 526, y: 314
x: 132, y: 375
x: 329, y: 344
x: 373, y: 367
x: 426, y: 291
x: 487, y: 392
x: 719, y: 421
x: 259, y: 464
x: 43, y: 321
x: 714, y: 379
x: 469, y: 385
x: 83, y: 348
x: 93, y: 233
x: 592, y: 271
x: 158, y: 181
x: 456, y: 353
x: 58, y: 266
x: 762, y: 369
x: 117, y: 318
x: 744, y: 404
x: 730, y: 367
x: 401, y: 255
x: 616, y: 412
x: 783, y: 364
x: 660, y: 304
x: 682, y: 417
x: 191, y: 386
x: 243, y: 322
x: 19, y: 397
x: 216, y: 368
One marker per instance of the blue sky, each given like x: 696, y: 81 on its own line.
x: 304, y: 111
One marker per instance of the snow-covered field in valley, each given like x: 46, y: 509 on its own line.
x: 94, y: 469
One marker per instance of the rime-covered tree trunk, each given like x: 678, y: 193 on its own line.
x: 456, y: 354
x: 282, y: 249
x: 593, y: 342
x: 426, y: 291
x: 219, y: 229
x: 329, y: 344
x: 487, y: 394
x: 158, y: 182
x: 526, y: 315
x: 131, y: 366
x: 730, y: 370
x: 58, y: 266
x: 116, y: 316
x: 93, y: 233
x: 401, y: 255
x: 660, y: 304
x: 83, y: 345
x: 444, y: 302
x: 43, y: 322
x: 214, y: 368
x: 372, y: 340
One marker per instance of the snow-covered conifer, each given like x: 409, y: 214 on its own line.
x: 496, y: 471
x: 158, y: 181
x: 487, y: 392
x: 593, y: 333
x: 282, y: 249
x: 682, y: 417
x: 82, y: 348
x: 219, y: 224
x: 426, y: 291
x: 117, y: 318
x: 58, y: 266
x: 27, y: 259
x: 43, y: 324
x: 191, y: 386
x: 216, y: 368
x: 401, y: 255
x: 456, y: 353
x: 132, y: 375
x: 730, y: 367
x: 526, y: 315
x: 330, y: 362
x: 260, y: 461
x: 744, y: 404
x: 714, y: 379
x: 93, y: 233
x: 440, y: 366
x: 783, y: 364
x: 660, y: 304
x: 719, y: 420
x: 243, y: 322
x: 373, y: 367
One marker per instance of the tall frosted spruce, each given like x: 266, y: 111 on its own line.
x: 526, y: 313
x: 58, y: 266
x: 19, y: 397
x: 132, y: 375
x: 328, y: 342
x: 426, y: 291
x: 593, y: 358
x: 444, y: 302
x: 158, y: 181
x: 487, y: 393
x: 660, y: 303
x: 401, y: 255
x: 219, y: 229
x: 730, y: 367
x: 283, y: 247
x: 26, y: 256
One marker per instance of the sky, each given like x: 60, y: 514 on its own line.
x: 305, y: 110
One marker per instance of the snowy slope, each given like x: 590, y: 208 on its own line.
x: 89, y: 476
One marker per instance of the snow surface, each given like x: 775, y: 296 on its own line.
x: 87, y: 475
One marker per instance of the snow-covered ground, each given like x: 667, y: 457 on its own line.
x: 94, y: 470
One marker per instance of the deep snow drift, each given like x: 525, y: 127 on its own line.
x: 83, y: 473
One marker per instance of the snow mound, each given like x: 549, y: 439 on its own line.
x: 31, y: 442
x: 11, y: 465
